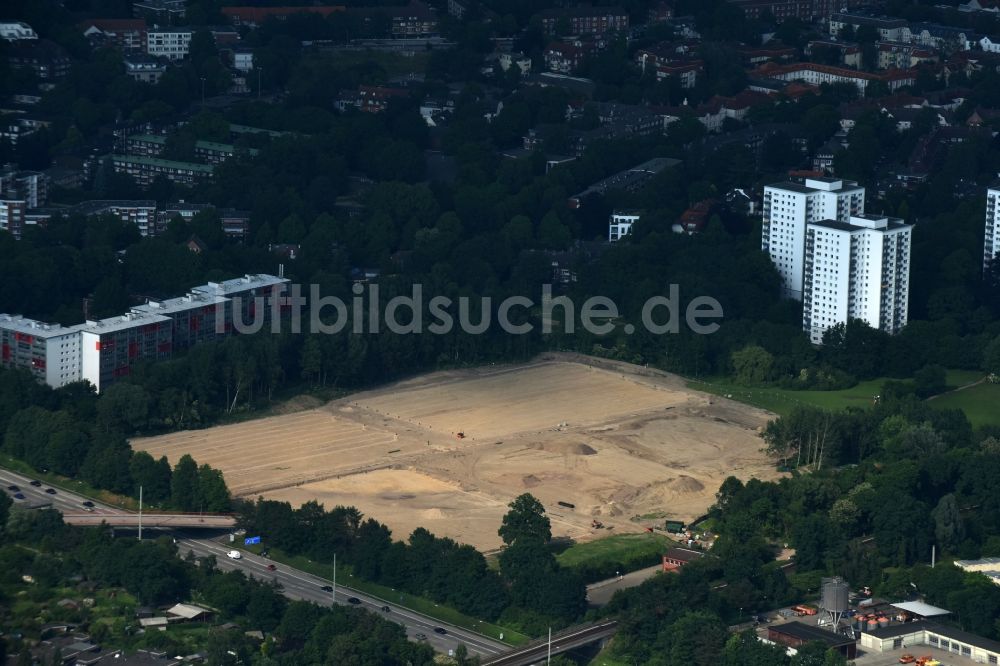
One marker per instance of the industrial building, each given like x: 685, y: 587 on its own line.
x: 859, y: 269
x: 930, y: 634
x: 797, y: 634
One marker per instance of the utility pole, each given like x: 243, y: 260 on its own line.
x: 259, y: 70
x: 548, y: 658
x: 140, y: 513
x: 203, y: 91
x: 335, y: 578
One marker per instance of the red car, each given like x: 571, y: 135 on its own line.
x: 271, y: 567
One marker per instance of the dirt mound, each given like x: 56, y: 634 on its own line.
x: 432, y: 514
x: 686, y: 484
x: 299, y: 403
x: 531, y: 481
x: 583, y: 450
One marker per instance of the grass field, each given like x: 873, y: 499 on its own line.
x: 614, y: 549
x: 440, y: 612
x: 978, y: 402
x: 782, y: 401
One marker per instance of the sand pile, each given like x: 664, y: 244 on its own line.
x: 686, y: 484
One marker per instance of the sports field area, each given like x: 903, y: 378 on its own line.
x: 592, y: 439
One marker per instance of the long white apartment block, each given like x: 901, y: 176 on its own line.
x: 104, y: 351
x: 991, y: 243
x: 789, y: 207
x: 859, y: 269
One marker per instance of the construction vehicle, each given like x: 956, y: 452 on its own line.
x: 596, y: 524
x: 459, y: 435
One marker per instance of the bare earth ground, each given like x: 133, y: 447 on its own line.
x: 612, y: 439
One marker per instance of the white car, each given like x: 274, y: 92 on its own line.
x: 234, y: 555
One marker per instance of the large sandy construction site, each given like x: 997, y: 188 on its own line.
x: 614, y: 440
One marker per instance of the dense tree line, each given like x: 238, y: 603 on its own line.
x: 36, y: 543
x: 528, y: 591
x: 76, y: 434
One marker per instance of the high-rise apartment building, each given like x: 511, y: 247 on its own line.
x: 991, y: 244
x: 789, y: 207
x: 859, y: 269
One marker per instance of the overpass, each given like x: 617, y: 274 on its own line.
x: 568, y: 639
x: 152, y: 520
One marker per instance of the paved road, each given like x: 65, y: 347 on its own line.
x: 150, y: 520
x: 600, y: 593
x: 295, y: 584
x: 569, y: 639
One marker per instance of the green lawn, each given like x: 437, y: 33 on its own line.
x: 440, y: 612
x: 979, y: 403
x: 782, y: 401
x: 614, y: 549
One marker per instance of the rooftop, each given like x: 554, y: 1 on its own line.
x: 239, y: 285
x: 38, y: 329
x: 920, y: 608
x: 808, y: 632
x: 122, y: 322
x: 195, y: 299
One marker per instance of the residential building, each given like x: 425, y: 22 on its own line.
x: 143, y: 68
x: 858, y: 269
x: 895, y: 55
x: 211, y: 152
x: 46, y: 59
x: 375, y: 99
x: 621, y: 223
x: 161, y: 12
x: 585, y: 20
x: 816, y: 74
x: 50, y: 352
x: 694, y: 219
x: 243, y: 59
x: 787, y: 210
x: 145, y: 169
x: 409, y: 21
x: 253, y: 17
x: 12, y: 216
x: 141, y: 213
x: 31, y: 186
x: 170, y: 43
x: 937, y: 36
x: 992, y: 241
x: 660, y: 12
x: 123, y: 34
x: 566, y: 57
x: 14, y: 31
x: 110, y: 348
x: 847, y: 53
x: 150, y: 145
x: 235, y: 223
x: 782, y: 10
x: 521, y: 61
x: 199, y: 316
x: 990, y: 44
x: 889, y: 29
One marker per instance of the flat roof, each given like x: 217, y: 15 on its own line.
x: 808, y: 632
x: 798, y: 188
x: 240, y: 284
x: 920, y: 608
x: 122, y: 322
x: 39, y: 329
x: 190, y: 301
x: 984, y: 561
x: 150, y: 138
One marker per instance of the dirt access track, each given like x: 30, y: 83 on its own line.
x: 612, y: 439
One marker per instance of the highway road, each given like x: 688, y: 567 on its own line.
x: 569, y: 639
x: 295, y: 584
